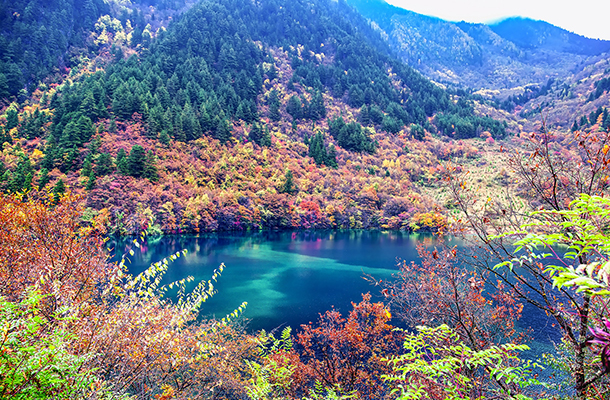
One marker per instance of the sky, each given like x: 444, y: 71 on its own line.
x: 584, y: 17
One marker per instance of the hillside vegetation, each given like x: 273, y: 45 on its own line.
x: 513, y: 53
x: 156, y: 117
x: 242, y: 116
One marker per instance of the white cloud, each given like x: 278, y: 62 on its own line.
x: 585, y: 17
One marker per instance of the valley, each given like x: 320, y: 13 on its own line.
x: 349, y: 161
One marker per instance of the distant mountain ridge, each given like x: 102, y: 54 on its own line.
x: 514, y: 52
x: 531, y: 34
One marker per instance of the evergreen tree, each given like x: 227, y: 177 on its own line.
x: 121, y: 162
x: 71, y: 163
x: 190, y: 123
x: 100, y: 111
x: 50, y: 153
x: 317, y: 110
x: 350, y: 136
x: 164, y: 138
x: 5, y: 137
x: 316, y: 149
x: 338, y: 90
x: 150, y: 167
x: 156, y: 122
x: 86, y: 170
x: 331, y: 157
x: 136, y: 161
x: 356, y: 97
x: 112, y: 126
x: 44, y: 179
x: 223, y: 131
x: 88, y: 106
x: 289, y: 185
x: 2, y: 172
x: 94, y: 145
x: 205, y: 121
x: 266, y: 140
x: 21, y: 178
x: 294, y: 107
x: 90, y: 181
x: 58, y: 190
x: 12, y: 118
x: 256, y: 134
x: 364, y: 117
x: 375, y: 114
x: 103, y: 164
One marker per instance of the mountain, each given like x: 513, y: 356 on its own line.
x: 240, y: 115
x: 35, y: 38
x: 540, y: 35
x: 512, y: 53
x: 565, y: 101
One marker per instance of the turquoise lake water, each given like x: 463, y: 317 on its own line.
x: 289, y: 278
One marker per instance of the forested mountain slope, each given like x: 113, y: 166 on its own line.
x: 35, y: 37
x: 242, y: 115
x: 512, y: 53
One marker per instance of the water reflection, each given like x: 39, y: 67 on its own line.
x: 286, y: 277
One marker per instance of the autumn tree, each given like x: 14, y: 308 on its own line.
x: 348, y: 352
x: 437, y: 290
x: 80, y: 327
x: 551, y: 170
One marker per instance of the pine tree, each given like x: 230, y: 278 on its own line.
x: 44, y: 179
x: 266, y: 140
x: 223, y: 131
x: 256, y: 134
x: 156, y: 121
x: 243, y: 112
x: 112, y: 126
x: 12, y: 118
x: 88, y: 106
x: 164, y: 138
x: 103, y: 164
x: 121, y: 162
x: 294, y: 107
x: 190, y: 124
x: 22, y: 176
x: 150, y: 167
x: 86, y: 170
x: 205, y: 121
x: 5, y: 137
x: 331, y: 157
x: 364, y: 117
x: 289, y: 185
x: 100, y: 110
x: 95, y: 144
x: 91, y: 181
x: 317, y: 110
x: 316, y: 149
x: 136, y: 161
x: 58, y: 190
x: 2, y: 171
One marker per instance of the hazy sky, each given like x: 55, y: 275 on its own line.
x: 585, y: 17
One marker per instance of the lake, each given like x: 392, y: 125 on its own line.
x: 288, y: 278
